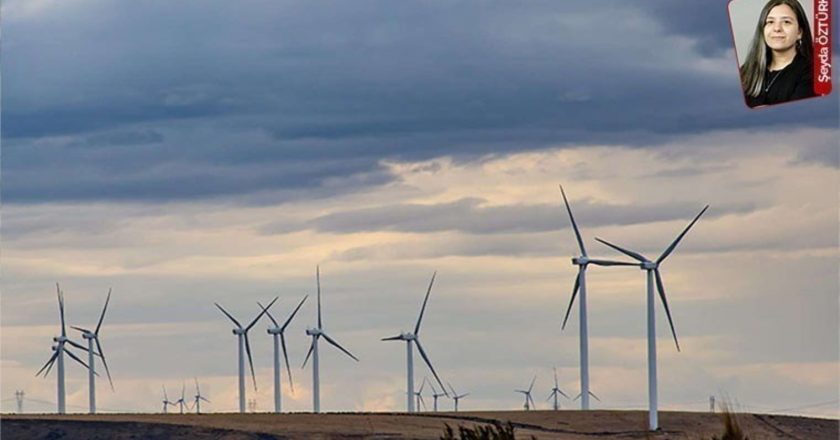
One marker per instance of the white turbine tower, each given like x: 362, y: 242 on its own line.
x: 317, y: 333
x: 582, y: 262
x: 556, y: 392
x: 198, y: 398
x: 244, y: 346
x: 280, y: 338
x: 652, y: 268
x: 93, y: 337
x: 410, y: 338
x: 166, y: 401
x: 59, y: 350
x: 529, y: 401
x: 455, y: 396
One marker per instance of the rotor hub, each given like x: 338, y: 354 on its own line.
x: 313, y: 331
x: 274, y: 331
x: 238, y: 331
x: 648, y: 265
x: 580, y: 261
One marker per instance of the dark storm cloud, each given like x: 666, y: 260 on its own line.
x: 468, y: 215
x: 215, y: 92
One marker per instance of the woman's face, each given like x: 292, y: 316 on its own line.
x: 781, y: 29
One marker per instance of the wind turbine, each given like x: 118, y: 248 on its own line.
x: 242, y: 335
x: 198, y: 398
x: 91, y: 337
x: 410, y: 338
x: 582, y: 262
x: 59, y: 350
x: 166, y: 401
x: 529, y: 401
x: 652, y: 269
x: 317, y: 333
x: 419, y: 395
x: 280, y: 338
x: 556, y: 391
x: 436, y: 395
x: 180, y: 402
x: 455, y: 396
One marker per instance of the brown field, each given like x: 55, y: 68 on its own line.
x: 540, y: 424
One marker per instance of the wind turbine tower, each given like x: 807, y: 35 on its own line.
x: 582, y: 262
x: 652, y: 269
x: 316, y: 333
x: 198, y: 398
x: 93, y: 337
x: 244, y: 346
x: 414, y: 338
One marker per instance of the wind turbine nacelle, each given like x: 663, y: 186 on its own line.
x: 409, y: 336
x: 580, y: 261
x: 238, y: 331
x: 59, y: 339
x: 274, y: 331
x: 648, y: 265
x: 313, y: 331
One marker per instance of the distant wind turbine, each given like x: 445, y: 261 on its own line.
x: 244, y: 346
x: 582, y: 262
x: 59, y: 350
x: 419, y: 396
x: 414, y: 337
x: 436, y: 395
x: 198, y: 398
x: 317, y: 333
x: 91, y: 337
x: 529, y: 401
x: 555, y: 392
x: 166, y: 401
x: 652, y: 268
x: 455, y: 396
x: 280, y: 338
x: 180, y: 402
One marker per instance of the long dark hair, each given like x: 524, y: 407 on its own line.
x: 752, y: 71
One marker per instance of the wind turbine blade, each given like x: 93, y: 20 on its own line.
x: 429, y: 363
x: 452, y: 389
x: 532, y: 384
x: 61, y: 308
x: 309, y: 353
x: 393, y: 338
x: 574, y: 225
x: 229, y: 315
x: 165, y: 397
x: 286, y: 356
x: 318, y: 281
x: 250, y: 360
x: 612, y: 263
x: 102, y: 316
x: 183, y: 389
x: 204, y: 399
x: 262, y: 312
x: 197, y: 389
x: 552, y: 393
x: 574, y: 294
x: 331, y: 341
x: 80, y: 329
x: 104, y: 363
x: 555, y: 378
x: 661, y: 288
x: 561, y: 392
x: 533, y: 404
x: 77, y: 345
x: 463, y: 395
x: 268, y: 313
x: 48, y: 363
x: 422, y: 385
x: 680, y: 237
x: 289, y: 319
x: 627, y: 252
x: 425, y: 300
x: 577, y: 397
x: 76, y: 358
x: 593, y: 395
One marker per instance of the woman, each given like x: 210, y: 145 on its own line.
x: 779, y: 66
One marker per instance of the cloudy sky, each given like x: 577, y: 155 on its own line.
x: 189, y: 153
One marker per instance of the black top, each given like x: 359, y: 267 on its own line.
x: 795, y: 81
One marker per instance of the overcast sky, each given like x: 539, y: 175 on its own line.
x: 185, y: 153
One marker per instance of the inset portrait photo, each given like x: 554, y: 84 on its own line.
x: 778, y: 57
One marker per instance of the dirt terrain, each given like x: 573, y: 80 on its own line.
x: 572, y: 425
